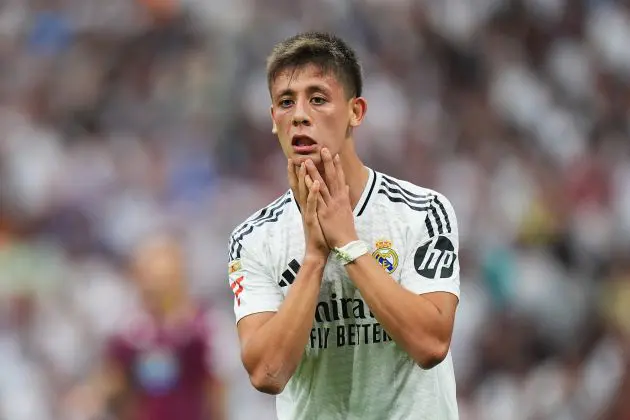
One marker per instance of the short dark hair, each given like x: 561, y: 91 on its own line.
x: 324, y: 50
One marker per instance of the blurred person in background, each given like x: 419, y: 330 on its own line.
x: 346, y: 286
x: 161, y: 364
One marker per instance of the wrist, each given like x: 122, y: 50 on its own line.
x: 340, y: 243
x: 315, y: 260
x: 351, y: 251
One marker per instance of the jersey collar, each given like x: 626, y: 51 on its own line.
x: 367, y: 193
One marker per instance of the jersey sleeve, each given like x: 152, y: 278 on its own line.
x: 251, y: 282
x: 431, y: 262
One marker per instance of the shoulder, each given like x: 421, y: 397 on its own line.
x: 409, y: 199
x: 259, y: 223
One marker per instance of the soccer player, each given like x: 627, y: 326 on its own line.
x: 159, y: 365
x: 346, y: 286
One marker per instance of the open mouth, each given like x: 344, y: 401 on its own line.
x: 303, y: 144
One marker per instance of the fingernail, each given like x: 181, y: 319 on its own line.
x: 337, y: 158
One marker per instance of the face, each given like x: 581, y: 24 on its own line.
x: 158, y: 266
x: 310, y: 110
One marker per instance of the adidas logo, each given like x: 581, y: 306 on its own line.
x: 290, y: 273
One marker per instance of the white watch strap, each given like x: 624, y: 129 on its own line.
x: 351, y: 251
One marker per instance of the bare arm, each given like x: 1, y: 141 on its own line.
x: 420, y: 324
x: 90, y: 399
x: 216, y: 399
x: 272, y: 344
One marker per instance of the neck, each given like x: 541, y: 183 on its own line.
x: 356, y: 173
x: 165, y: 305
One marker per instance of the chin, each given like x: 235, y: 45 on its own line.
x: 298, y: 159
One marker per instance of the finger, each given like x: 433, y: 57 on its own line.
x: 311, y: 200
x: 321, y: 204
x: 309, y: 184
x: 293, y: 181
x: 302, y: 190
x: 316, y: 176
x: 308, y: 181
x: 341, y: 176
x: 330, y: 171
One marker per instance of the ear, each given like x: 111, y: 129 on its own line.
x: 274, y: 127
x: 358, y: 108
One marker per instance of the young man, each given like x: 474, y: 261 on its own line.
x: 159, y: 365
x: 346, y: 286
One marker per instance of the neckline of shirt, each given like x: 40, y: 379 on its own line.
x: 367, y: 193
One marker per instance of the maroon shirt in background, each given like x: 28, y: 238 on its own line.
x: 167, y: 368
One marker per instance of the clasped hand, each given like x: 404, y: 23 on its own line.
x: 324, y: 203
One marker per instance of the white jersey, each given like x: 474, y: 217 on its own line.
x: 351, y: 368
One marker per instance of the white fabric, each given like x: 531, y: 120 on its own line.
x: 351, y: 251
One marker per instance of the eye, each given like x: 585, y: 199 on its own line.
x: 285, y: 103
x: 318, y: 100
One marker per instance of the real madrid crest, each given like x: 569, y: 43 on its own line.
x: 386, y: 256
x: 234, y: 266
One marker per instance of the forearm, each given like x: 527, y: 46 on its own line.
x: 273, y: 353
x: 413, y: 321
x: 91, y: 399
x: 215, y: 400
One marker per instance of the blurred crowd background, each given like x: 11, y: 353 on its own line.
x: 120, y: 119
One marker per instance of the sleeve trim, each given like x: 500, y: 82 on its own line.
x: 421, y: 289
x: 252, y: 310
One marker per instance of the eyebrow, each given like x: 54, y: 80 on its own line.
x: 309, y: 89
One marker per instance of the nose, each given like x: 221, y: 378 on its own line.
x: 300, y: 115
